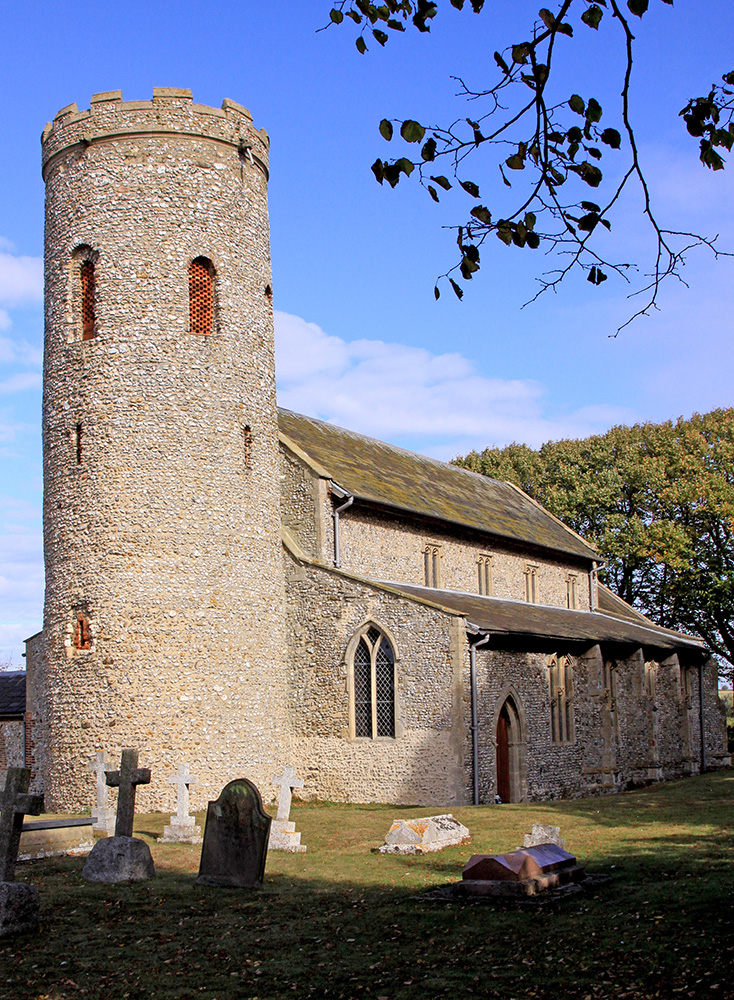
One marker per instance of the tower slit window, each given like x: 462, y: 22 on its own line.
x: 82, y: 637
x: 78, y: 443
x: 88, y: 299
x: 201, y: 296
x: 247, y: 446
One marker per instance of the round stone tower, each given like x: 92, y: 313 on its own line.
x: 164, y: 614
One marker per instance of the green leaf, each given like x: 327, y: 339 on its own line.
x: 442, y: 182
x: 593, y: 151
x: 457, y: 290
x: 378, y: 170
x: 588, y: 223
x: 336, y: 16
x: 515, y: 162
x: 357, y: 18
x: 432, y: 191
x: 530, y: 221
x: 576, y: 104
x: 533, y: 241
x: 638, y: 7
x: 596, y: 276
x: 593, y: 110
x: 360, y: 43
x: 589, y: 173
x: 611, y: 137
x: 520, y: 53
x: 711, y: 158
x: 404, y: 165
x: 429, y: 150
x: 436, y: 293
x: 504, y: 233
x: 592, y: 15
x: 574, y: 134
x: 590, y: 206
x: 379, y: 36
x: 467, y: 268
x: 546, y: 17
x: 386, y: 129
x: 459, y: 4
x: 482, y: 214
x: 411, y: 131
x: 471, y: 188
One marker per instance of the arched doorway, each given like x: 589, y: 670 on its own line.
x: 510, y: 753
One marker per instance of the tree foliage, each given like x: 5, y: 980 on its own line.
x: 658, y: 501
x: 549, y: 146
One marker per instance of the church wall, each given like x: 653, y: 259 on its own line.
x: 298, y: 503
x: 12, y: 743
x: 391, y: 548
x: 422, y: 764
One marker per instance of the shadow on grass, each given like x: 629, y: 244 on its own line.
x: 342, y: 922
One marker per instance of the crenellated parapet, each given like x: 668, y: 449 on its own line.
x: 172, y: 111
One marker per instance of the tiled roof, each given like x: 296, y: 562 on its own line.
x: 12, y: 693
x: 382, y: 474
x: 539, y: 621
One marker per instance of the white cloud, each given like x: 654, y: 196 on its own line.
x: 4, y: 320
x: 21, y: 575
x: 21, y: 279
x: 18, y: 351
x: 435, y: 403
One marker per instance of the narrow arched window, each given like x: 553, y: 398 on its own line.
x: 561, y: 698
x: 201, y: 296
x: 373, y: 685
x: 82, y: 637
x: 84, y: 292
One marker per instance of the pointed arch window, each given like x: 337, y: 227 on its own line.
x: 201, y: 296
x: 373, y: 685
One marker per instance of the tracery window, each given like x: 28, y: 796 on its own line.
x: 432, y: 565
x: 373, y: 684
x: 201, y: 296
x: 485, y: 575
x: 561, y: 698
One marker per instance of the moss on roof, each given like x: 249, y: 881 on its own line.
x: 381, y: 473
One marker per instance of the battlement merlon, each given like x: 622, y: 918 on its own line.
x: 171, y: 112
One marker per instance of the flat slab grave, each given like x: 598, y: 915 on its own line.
x: 421, y: 836
x: 46, y: 838
x: 525, y: 872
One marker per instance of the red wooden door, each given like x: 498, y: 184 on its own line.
x: 503, y: 757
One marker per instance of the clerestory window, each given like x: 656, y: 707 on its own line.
x: 432, y: 565
x: 373, y: 685
x: 485, y: 577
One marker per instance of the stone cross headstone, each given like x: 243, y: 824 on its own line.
x: 126, y: 780
x: 14, y: 804
x: 182, y: 826
x: 103, y: 815
x: 20, y: 904
x: 122, y: 858
x: 235, y: 837
x: 283, y: 836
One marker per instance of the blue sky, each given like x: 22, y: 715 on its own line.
x: 361, y: 340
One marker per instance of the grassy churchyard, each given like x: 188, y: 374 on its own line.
x: 341, y: 921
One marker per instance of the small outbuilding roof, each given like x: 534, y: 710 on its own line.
x: 379, y: 473
x: 12, y: 694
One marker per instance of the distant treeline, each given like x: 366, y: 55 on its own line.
x: 658, y: 502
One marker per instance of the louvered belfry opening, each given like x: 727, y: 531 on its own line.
x: 88, y: 295
x: 201, y: 296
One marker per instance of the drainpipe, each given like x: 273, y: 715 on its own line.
x: 701, y: 718
x: 473, y: 646
x: 341, y: 494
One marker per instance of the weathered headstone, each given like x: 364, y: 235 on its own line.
x: 122, y: 858
x: 420, y: 836
x: 235, y: 837
x: 541, y: 834
x: 182, y: 827
x: 103, y: 815
x: 19, y: 903
x: 283, y: 836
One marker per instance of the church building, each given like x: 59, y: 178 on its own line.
x: 241, y: 587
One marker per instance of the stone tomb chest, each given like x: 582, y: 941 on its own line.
x: 525, y: 872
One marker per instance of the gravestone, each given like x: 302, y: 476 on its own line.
x: 122, y: 858
x: 182, y: 827
x: 525, y: 872
x: 103, y: 815
x: 235, y: 838
x: 19, y: 903
x: 283, y: 836
x: 541, y: 834
x: 421, y: 836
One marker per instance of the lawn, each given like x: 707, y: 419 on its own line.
x: 342, y: 921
